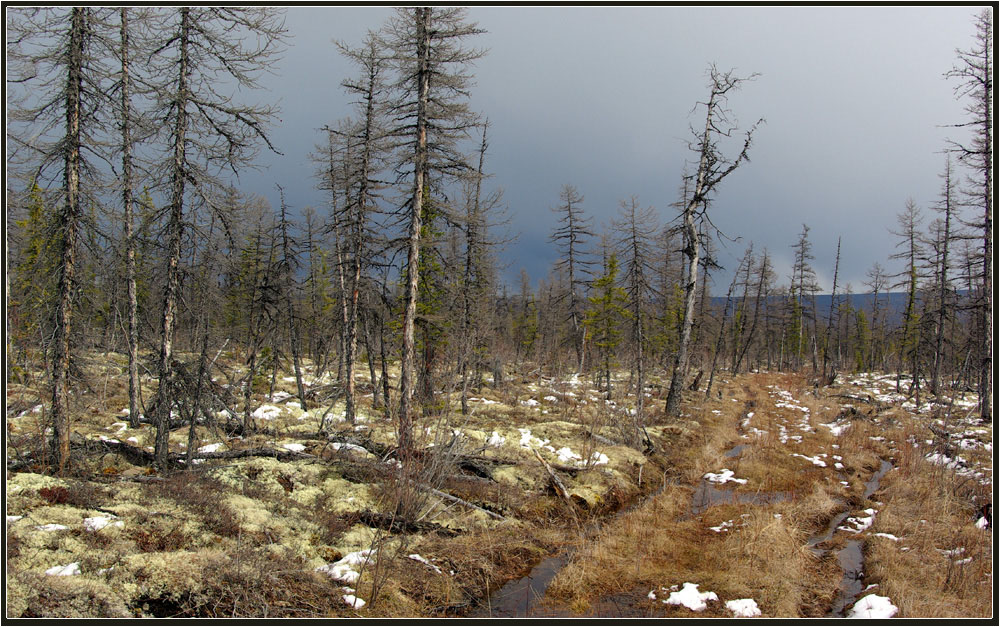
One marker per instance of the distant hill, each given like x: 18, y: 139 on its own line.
x: 893, y: 302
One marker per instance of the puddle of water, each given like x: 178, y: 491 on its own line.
x: 851, y: 562
x: 736, y: 450
x: 872, y: 484
x: 827, y: 535
x: 851, y: 558
x: 707, y: 495
x: 517, y: 597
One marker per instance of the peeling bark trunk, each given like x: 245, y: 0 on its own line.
x: 175, y: 229
x: 404, y: 426
x: 69, y: 219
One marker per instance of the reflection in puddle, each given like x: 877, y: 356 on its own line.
x: 517, y: 597
x: 851, y: 557
x: 851, y: 562
x: 707, y: 495
x: 736, y: 450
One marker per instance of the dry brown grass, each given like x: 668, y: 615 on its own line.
x: 924, y: 506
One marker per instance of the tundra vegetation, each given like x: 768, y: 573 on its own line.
x: 216, y: 408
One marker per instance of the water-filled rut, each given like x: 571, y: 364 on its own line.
x: 520, y: 597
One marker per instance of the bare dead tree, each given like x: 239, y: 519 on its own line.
x: 829, y: 317
x: 713, y: 167
x: 974, y: 73
x: 208, y: 132
x: 635, y: 226
x: 571, y: 237
x: 431, y: 116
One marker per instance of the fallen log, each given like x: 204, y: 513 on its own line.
x: 557, y: 483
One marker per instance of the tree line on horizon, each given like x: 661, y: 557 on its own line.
x: 128, y: 233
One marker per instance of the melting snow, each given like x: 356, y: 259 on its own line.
x: 266, y: 412
x: 295, y: 447
x: 861, y: 522
x: 100, y: 522
x: 815, y: 460
x: 210, y: 448
x: 723, y: 476
x: 689, y: 597
x: 352, y: 601
x: 424, y: 560
x: 743, y: 608
x: 64, y: 571
x: 566, y: 455
x: 873, y: 606
x: 342, y: 571
x: 496, y: 440
x: 888, y: 536
x: 51, y: 527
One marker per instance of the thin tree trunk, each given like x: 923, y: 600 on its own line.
x: 175, y: 229
x: 69, y: 219
x: 130, y: 270
x: 404, y: 435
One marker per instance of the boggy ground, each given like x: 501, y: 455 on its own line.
x: 310, y: 523
x: 806, y: 456
x: 307, y: 530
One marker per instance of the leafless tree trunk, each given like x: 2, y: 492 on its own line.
x: 68, y: 226
x: 829, y: 317
x: 712, y: 169
x: 975, y: 72
x: 130, y: 271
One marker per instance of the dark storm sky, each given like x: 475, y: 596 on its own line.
x: 601, y: 98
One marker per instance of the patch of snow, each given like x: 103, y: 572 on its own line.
x: 342, y: 570
x: 295, y: 447
x: 815, y: 460
x: 11, y: 519
x: 424, y: 560
x: 266, y: 412
x: 722, y: 527
x: 599, y: 458
x: 888, y: 536
x: 51, y: 527
x: 982, y: 523
x: 723, y: 476
x: 873, y: 606
x: 551, y: 399
x: 860, y: 522
x: 352, y: 601
x: 743, y: 608
x: 210, y: 448
x: 64, y: 571
x: 567, y: 456
x: 100, y: 522
x: 529, y: 441
x: 350, y: 447
x: 530, y: 402
x: 836, y: 428
x: 652, y: 595
x: 689, y: 597
x: 496, y: 440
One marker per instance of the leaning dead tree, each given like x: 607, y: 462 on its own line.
x: 713, y: 167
